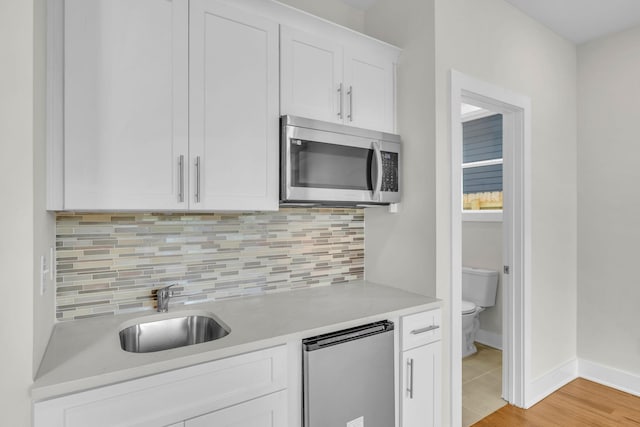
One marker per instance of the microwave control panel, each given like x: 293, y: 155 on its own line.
x: 389, y: 171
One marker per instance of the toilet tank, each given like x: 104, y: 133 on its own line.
x: 479, y: 286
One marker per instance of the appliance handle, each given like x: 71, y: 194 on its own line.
x: 378, y: 186
x: 339, y: 337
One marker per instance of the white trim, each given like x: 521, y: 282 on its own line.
x: 482, y: 216
x: 516, y: 110
x: 481, y: 163
x: 611, y: 377
x: 475, y: 115
x: 455, y: 297
x: 55, y: 106
x: 492, y: 339
x: 579, y: 368
x: 552, y: 381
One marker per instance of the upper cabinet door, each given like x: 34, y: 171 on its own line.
x: 349, y: 81
x: 370, y: 90
x: 234, y: 118
x: 311, y: 76
x: 125, y: 104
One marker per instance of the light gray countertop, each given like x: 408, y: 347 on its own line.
x: 86, y: 353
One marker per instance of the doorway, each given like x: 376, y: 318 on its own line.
x: 515, y: 111
x: 482, y: 260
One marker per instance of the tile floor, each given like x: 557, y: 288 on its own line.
x: 481, y: 384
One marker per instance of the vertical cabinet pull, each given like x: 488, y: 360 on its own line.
x: 197, y: 179
x: 181, y: 179
x: 410, y: 378
x: 340, y: 101
x: 350, y: 93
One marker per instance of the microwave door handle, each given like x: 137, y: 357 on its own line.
x: 378, y: 186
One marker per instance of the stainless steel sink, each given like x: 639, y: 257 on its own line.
x: 171, y: 332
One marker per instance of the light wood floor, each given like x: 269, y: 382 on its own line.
x: 579, y: 403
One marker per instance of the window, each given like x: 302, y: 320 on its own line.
x: 482, y: 166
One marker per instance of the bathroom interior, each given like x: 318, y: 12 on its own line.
x: 482, y: 260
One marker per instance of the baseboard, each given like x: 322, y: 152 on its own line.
x: 611, y: 377
x: 491, y: 339
x: 550, y: 382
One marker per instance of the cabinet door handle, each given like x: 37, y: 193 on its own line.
x: 197, y: 179
x: 423, y: 330
x: 350, y: 93
x: 340, y: 101
x: 410, y: 378
x: 181, y: 179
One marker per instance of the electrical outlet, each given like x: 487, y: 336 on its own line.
x: 46, y: 270
x: 52, y: 266
x: 358, y: 422
x: 44, y: 274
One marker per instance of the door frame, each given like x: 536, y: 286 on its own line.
x: 516, y: 334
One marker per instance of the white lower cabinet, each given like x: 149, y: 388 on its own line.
x: 266, y: 411
x: 244, y: 390
x: 420, y: 377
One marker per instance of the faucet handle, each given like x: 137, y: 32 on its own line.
x: 167, y: 289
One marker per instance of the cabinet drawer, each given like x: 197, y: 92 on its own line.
x: 170, y: 397
x: 421, y: 328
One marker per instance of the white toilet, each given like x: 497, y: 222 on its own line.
x: 479, y: 289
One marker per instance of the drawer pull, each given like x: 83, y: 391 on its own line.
x: 423, y: 330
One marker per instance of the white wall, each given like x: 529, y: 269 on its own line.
x: 331, y: 10
x: 16, y: 215
x: 482, y: 248
x: 608, y: 201
x: 400, y: 248
x: 492, y: 41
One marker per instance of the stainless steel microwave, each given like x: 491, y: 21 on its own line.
x: 332, y: 164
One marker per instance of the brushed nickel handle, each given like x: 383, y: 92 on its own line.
x: 350, y: 93
x: 410, y: 375
x: 340, y: 101
x: 197, y: 179
x: 423, y: 330
x: 181, y: 179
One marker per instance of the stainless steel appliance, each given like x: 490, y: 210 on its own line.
x: 328, y: 163
x: 348, y: 378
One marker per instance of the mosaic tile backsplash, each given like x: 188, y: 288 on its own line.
x: 112, y: 263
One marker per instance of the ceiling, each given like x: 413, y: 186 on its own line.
x: 360, y: 4
x: 575, y: 20
x: 582, y: 20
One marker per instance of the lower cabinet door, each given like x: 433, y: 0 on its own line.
x: 266, y: 411
x: 420, y: 386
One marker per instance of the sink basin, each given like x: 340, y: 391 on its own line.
x: 170, y: 333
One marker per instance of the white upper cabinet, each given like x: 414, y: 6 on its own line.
x: 370, y: 89
x: 234, y: 118
x: 311, y: 71
x: 336, y: 81
x: 125, y: 103
x: 174, y: 105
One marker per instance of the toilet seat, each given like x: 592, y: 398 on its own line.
x: 468, y: 307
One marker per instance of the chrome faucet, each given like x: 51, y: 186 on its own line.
x: 163, y: 295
